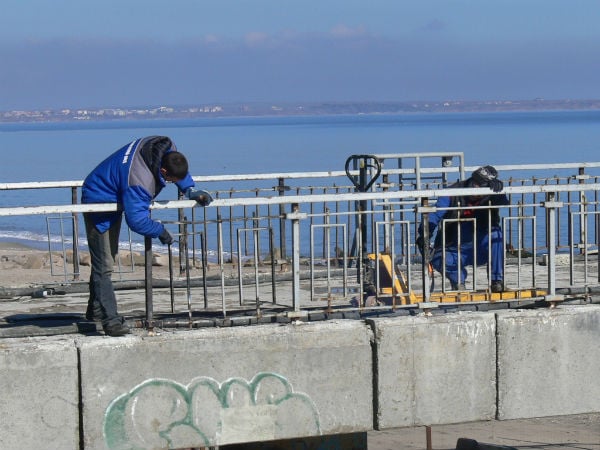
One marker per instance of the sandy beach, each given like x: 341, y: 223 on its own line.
x: 23, y: 267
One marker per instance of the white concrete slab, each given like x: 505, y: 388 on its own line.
x: 435, y: 370
x: 218, y: 386
x: 39, y: 383
x: 548, y: 362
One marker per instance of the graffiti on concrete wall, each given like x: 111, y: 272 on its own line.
x: 160, y: 413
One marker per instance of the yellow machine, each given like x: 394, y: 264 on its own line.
x: 393, y: 283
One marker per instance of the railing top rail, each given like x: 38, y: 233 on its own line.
x: 40, y: 185
x: 291, y: 199
x: 421, y: 155
x: 506, y: 168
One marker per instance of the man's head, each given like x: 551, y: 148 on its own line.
x: 174, y: 166
x: 486, y: 176
x: 482, y: 176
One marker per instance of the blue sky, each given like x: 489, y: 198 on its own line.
x: 103, y: 53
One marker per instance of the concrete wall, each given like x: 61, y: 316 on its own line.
x: 435, y: 370
x: 39, y: 387
x: 275, y: 382
x: 548, y: 362
x: 221, y: 386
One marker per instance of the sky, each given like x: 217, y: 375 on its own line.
x: 118, y: 53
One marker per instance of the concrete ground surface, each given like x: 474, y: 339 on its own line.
x: 546, y: 433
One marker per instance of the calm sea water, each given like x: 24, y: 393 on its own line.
x: 68, y: 151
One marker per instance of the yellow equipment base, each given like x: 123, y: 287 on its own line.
x: 400, y: 289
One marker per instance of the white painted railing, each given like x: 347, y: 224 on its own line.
x: 307, y: 229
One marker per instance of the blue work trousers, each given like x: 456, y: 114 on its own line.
x: 467, y: 257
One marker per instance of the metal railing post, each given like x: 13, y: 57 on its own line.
x: 180, y: 226
x: 281, y: 187
x: 295, y: 216
x: 551, y: 205
x: 75, y: 236
x: 148, y: 283
x: 582, y: 177
x: 424, y: 210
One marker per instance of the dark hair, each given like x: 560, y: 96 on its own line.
x: 175, y: 164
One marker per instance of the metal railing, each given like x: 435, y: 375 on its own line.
x: 296, y: 242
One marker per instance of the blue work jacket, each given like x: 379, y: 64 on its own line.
x: 482, y: 216
x: 131, y: 177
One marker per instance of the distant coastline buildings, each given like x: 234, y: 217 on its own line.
x: 291, y: 109
x: 66, y: 114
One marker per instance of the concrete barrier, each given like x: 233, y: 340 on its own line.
x: 39, y: 382
x: 435, y: 370
x: 214, y: 386
x: 548, y: 362
x: 220, y: 386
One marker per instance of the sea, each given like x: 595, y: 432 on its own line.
x: 33, y: 152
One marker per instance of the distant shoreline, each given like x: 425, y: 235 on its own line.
x: 289, y: 109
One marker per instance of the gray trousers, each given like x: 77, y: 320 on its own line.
x: 103, y: 251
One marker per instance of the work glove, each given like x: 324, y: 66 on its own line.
x: 203, y: 198
x: 420, y: 243
x: 165, y: 237
x: 496, y: 185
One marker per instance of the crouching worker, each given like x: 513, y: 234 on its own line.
x: 132, y: 177
x: 476, y: 236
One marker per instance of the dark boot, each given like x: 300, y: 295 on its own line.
x: 497, y: 286
x: 116, y: 329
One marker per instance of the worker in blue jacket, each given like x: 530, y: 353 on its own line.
x: 476, y: 236
x: 131, y: 177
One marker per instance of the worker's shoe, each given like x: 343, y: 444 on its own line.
x: 116, y: 329
x: 458, y: 286
x: 497, y: 286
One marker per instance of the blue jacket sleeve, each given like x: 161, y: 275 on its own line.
x: 186, y: 183
x: 136, y: 205
x: 438, y: 215
x: 435, y: 217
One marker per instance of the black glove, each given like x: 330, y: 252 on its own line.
x: 496, y: 185
x: 165, y: 237
x: 203, y: 198
x: 420, y: 243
